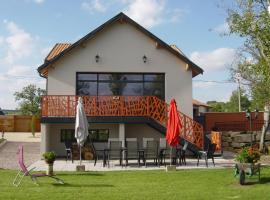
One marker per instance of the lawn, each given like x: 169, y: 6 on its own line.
x: 184, y: 184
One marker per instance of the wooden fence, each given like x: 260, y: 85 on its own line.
x: 232, y: 121
x: 17, y: 123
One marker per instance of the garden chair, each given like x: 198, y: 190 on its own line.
x: 114, y: 150
x: 131, y: 152
x: 151, y: 152
x: 25, y: 172
x: 145, y: 140
x: 68, y: 146
x: 209, y: 154
x: 97, y: 153
x: 182, y: 153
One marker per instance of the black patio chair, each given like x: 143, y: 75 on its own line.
x: 209, y: 154
x: 68, y: 146
x: 131, y: 152
x: 182, y: 154
x: 151, y: 152
x: 97, y: 153
x: 114, y: 151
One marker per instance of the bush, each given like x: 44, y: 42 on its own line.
x: 49, y: 157
x: 248, y: 155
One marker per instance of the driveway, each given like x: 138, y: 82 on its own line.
x: 8, y: 152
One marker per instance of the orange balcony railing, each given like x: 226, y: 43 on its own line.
x: 143, y: 106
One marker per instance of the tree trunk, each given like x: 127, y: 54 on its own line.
x: 265, y: 127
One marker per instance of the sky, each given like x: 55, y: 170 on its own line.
x: 30, y: 28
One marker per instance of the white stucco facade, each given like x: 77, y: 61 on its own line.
x: 121, y: 47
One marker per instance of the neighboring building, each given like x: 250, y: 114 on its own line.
x: 199, y: 108
x: 125, y: 75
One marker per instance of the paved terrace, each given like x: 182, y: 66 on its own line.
x: 63, y: 165
x: 8, y: 158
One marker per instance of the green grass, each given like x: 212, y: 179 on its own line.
x: 129, y: 185
x: 2, y: 140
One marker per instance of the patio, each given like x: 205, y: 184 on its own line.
x: 227, y: 161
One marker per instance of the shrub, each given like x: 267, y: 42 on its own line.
x: 49, y: 157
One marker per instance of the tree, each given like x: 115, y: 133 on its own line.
x: 217, y: 106
x: 233, y: 104
x: 250, y: 19
x: 29, y: 102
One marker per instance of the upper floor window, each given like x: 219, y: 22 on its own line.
x: 121, y: 84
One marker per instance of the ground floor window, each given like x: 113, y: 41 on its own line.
x: 120, y: 84
x: 96, y: 135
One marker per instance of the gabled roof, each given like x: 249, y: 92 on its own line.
x: 57, y: 49
x: 198, y: 103
x: 64, y: 48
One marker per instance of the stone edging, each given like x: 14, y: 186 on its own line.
x: 3, y: 143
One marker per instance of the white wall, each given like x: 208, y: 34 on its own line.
x: 121, y: 48
x: 53, y: 132
x: 140, y: 131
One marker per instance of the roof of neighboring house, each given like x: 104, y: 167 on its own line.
x: 60, y: 50
x: 198, y: 103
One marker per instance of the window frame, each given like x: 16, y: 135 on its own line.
x: 143, y: 81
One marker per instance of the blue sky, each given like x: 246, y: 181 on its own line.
x: 29, y: 29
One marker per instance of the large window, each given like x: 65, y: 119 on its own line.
x: 96, y: 135
x: 121, y: 84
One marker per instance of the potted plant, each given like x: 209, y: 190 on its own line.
x: 248, y: 155
x: 247, y: 159
x: 49, y: 158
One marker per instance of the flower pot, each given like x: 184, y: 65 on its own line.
x: 49, y: 170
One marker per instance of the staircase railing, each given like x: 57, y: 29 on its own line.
x: 146, y: 106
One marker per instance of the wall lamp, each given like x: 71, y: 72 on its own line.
x: 97, y: 57
x: 144, y: 58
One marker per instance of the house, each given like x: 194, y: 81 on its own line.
x: 199, y: 108
x: 125, y: 75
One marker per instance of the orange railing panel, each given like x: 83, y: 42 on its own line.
x: 146, y: 106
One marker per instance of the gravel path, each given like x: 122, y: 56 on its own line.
x: 8, y: 154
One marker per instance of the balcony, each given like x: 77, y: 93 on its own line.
x: 121, y: 106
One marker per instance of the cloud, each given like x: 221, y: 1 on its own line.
x: 1, y: 41
x: 39, y: 1
x: 19, y: 43
x: 218, y: 59
x: 20, y: 70
x: 203, y: 85
x: 94, y: 6
x: 222, y: 28
x: 177, y: 14
x: 16, y: 72
x: 146, y: 12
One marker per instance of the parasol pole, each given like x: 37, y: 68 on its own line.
x: 171, y: 157
x: 80, y: 154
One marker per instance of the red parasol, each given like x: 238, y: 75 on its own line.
x: 173, y: 126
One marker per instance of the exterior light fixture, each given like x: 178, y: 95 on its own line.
x: 144, y: 58
x: 97, y: 58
